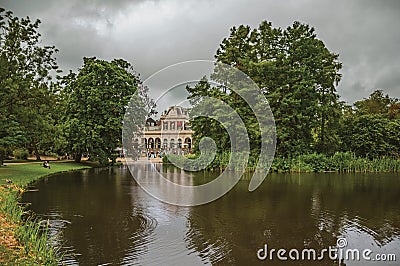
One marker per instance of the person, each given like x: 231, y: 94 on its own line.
x: 46, y: 164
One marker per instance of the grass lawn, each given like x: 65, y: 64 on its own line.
x: 22, y: 174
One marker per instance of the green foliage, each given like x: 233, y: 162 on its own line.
x: 26, y: 98
x: 371, y: 129
x: 93, y: 104
x: 343, y: 162
x: 377, y: 104
x: 317, y: 162
x: 30, y: 233
x: 371, y: 136
x: 21, y: 154
x: 298, y: 75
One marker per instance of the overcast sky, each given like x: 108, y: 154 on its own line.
x: 154, y: 34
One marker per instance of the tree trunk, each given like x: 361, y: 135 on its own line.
x: 35, y: 149
x: 77, y: 157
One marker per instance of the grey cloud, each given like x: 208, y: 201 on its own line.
x: 155, y: 34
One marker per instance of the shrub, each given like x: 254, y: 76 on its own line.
x: 318, y: 162
x: 21, y: 154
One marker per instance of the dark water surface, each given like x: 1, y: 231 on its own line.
x: 102, y: 217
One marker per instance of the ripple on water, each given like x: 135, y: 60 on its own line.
x: 209, y: 250
x: 139, y: 224
x: 141, y: 237
x: 382, y: 232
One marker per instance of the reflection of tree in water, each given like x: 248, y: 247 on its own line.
x: 364, y: 203
x: 289, y: 211
x: 98, y: 203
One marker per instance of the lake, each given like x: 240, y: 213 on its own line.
x: 103, y: 217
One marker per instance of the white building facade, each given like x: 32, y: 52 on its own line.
x: 171, y: 133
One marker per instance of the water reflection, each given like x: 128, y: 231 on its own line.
x: 307, y: 211
x: 101, y: 216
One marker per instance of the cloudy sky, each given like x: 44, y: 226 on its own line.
x: 153, y: 34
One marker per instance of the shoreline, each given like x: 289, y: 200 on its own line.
x: 21, y: 239
x: 341, y: 162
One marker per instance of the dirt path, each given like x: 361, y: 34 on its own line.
x: 36, y: 162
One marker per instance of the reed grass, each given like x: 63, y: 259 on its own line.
x: 342, y: 162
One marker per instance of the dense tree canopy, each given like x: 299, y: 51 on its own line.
x: 378, y: 104
x: 93, y: 104
x: 26, y: 97
x: 372, y: 129
x: 297, y: 74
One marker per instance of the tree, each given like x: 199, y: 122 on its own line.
x: 207, y: 126
x: 25, y: 79
x: 377, y: 104
x: 371, y: 128
x: 297, y: 74
x: 371, y: 136
x: 94, y: 101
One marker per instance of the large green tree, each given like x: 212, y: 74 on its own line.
x: 372, y: 127
x: 371, y: 136
x: 94, y: 101
x: 378, y: 103
x: 26, y: 97
x: 298, y: 75
x: 206, y: 126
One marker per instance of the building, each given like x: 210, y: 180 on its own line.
x: 171, y: 133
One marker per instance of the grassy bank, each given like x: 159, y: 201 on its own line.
x: 342, y: 162
x: 22, y: 241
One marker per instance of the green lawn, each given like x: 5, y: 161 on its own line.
x: 22, y: 174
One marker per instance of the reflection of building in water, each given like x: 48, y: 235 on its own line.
x: 171, y: 133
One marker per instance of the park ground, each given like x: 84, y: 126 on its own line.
x: 21, y: 243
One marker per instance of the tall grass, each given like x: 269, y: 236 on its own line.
x: 29, y: 233
x: 343, y: 162
x: 35, y: 248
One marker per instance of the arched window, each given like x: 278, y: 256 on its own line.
x: 158, y: 143
x: 179, y: 143
x: 165, y: 143
x: 188, y: 143
x: 150, y: 143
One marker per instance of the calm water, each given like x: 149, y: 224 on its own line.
x: 102, y: 217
